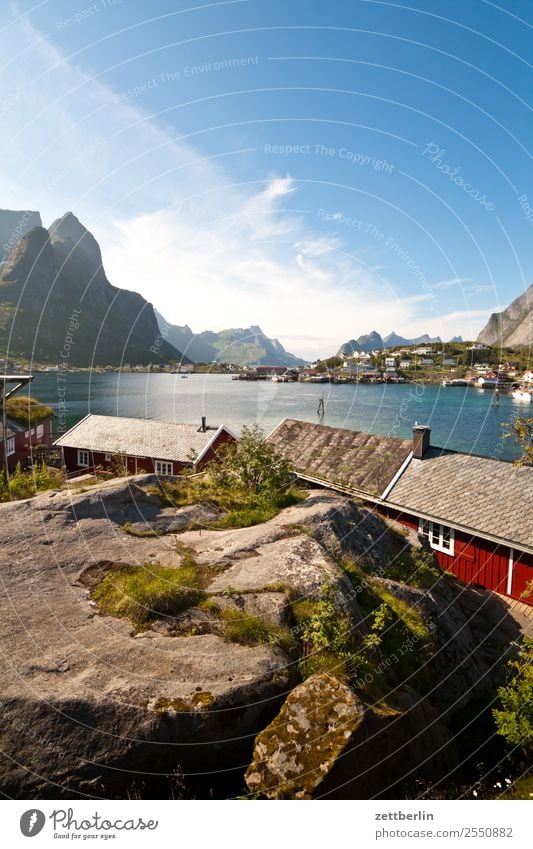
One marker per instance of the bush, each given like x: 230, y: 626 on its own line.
x: 251, y: 465
x: 26, y: 484
x: 327, y: 638
x: 514, y: 720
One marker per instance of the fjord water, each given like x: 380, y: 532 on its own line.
x: 463, y: 419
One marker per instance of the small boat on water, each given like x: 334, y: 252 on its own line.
x: 522, y: 395
x: 458, y: 381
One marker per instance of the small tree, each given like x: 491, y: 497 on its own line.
x: 252, y: 465
x: 515, y: 720
x: 521, y: 430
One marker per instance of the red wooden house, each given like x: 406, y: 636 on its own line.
x: 474, y: 512
x: 142, y: 445
x: 22, y: 439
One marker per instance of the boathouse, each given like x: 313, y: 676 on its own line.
x: 142, y: 445
x: 473, y: 512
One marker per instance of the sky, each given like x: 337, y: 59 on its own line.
x: 319, y: 169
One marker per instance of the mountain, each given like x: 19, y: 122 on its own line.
x: 367, y: 343
x: 57, y: 305
x: 512, y: 326
x: 14, y: 225
x: 243, y: 346
x: 455, y: 339
x: 197, y: 346
x: 395, y: 341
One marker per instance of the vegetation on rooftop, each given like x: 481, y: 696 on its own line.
x: 27, y: 411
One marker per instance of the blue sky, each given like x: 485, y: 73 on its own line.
x: 320, y: 169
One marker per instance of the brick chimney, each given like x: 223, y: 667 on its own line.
x: 203, y: 426
x: 421, y: 440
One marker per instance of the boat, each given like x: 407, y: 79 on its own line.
x: 522, y: 395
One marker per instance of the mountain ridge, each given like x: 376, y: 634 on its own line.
x: 513, y: 325
x: 57, y: 305
x: 242, y: 346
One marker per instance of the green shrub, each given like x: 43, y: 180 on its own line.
x: 514, y: 720
x: 27, y: 484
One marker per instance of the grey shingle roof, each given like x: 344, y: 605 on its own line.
x: 137, y: 437
x: 357, y: 461
x: 490, y: 496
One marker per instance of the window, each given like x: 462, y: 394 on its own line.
x: 108, y: 458
x: 11, y: 445
x: 162, y: 468
x: 40, y: 431
x: 83, y: 458
x: 440, y: 537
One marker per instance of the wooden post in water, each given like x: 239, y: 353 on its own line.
x: 321, y: 408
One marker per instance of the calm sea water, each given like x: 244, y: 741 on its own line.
x: 461, y: 418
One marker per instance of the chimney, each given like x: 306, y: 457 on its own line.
x: 204, y: 424
x: 421, y: 440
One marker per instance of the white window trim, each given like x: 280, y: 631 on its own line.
x: 82, y: 452
x: 436, y: 528
x: 159, y: 467
x: 11, y: 447
x: 39, y: 431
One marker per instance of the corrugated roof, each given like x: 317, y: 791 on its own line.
x: 358, y: 461
x: 489, y: 496
x: 137, y: 437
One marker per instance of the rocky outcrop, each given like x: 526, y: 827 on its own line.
x: 93, y: 705
x: 512, y: 326
x: 58, y: 305
x: 326, y: 742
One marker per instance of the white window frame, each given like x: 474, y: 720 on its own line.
x: 108, y: 458
x: 436, y: 536
x: 39, y: 431
x: 162, y: 467
x: 11, y: 447
x: 83, y: 458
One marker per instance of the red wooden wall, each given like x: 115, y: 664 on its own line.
x: 482, y: 563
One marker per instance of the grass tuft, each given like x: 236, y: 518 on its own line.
x: 144, y: 593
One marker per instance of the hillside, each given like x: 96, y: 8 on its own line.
x: 242, y: 346
x: 57, y: 305
x: 512, y: 326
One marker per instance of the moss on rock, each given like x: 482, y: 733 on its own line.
x: 294, y: 753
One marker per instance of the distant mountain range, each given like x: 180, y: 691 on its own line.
x: 374, y: 341
x: 512, y: 326
x: 57, y: 305
x: 240, y: 346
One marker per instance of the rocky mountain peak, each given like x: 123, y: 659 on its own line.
x: 69, y: 228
